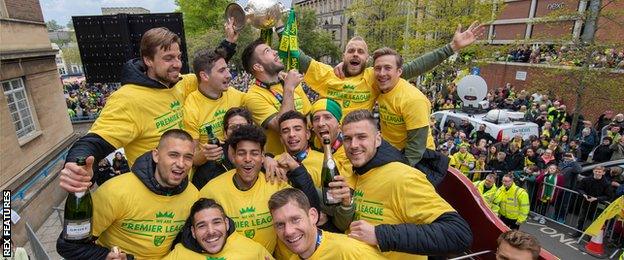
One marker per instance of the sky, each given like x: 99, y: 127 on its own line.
x: 63, y: 10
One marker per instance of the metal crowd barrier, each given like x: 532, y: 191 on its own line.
x: 567, y: 208
x: 81, y: 119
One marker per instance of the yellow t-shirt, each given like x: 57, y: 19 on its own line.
x: 341, y: 247
x: 345, y: 168
x: 397, y: 193
x: 264, y: 105
x: 463, y: 158
x: 135, y: 117
x: 128, y: 215
x: 352, y: 93
x: 403, y: 108
x: 249, y: 209
x: 200, y: 111
x: 236, y: 247
x: 314, y: 164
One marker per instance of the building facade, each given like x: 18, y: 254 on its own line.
x: 331, y: 17
x: 34, y: 123
x: 519, y: 20
x: 124, y: 10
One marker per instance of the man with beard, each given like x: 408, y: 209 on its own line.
x: 325, y: 116
x: 209, y: 234
x: 150, y: 101
x: 294, y: 222
x: 353, y: 87
x: 294, y: 135
x: 397, y: 208
x: 244, y: 192
x: 269, y: 97
x: 207, y: 106
x: 130, y: 210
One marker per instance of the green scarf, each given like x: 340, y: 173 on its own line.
x: 550, y: 181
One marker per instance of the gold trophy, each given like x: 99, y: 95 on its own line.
x: 261, y: 14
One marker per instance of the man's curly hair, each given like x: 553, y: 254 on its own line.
x: 247, y: 133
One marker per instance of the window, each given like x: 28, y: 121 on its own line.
x: 19, y: 107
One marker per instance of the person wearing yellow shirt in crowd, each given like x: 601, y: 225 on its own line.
x: 487, y: 188
x: 233, y: 118
x: 325, y: 116
x: 209, y: 234
x: 397, y: 208
x: 269, y: 97
x: 464, y: 160
x: 403, y: 109
x: 141, y: 212
x: 294, y: 135
x: 244, y: 192
x: 514, y: 203
x: 295, y: 221
x: 150, y: 101
x: 207, y: 105
x: 479, y: 167
x: 352, y: 82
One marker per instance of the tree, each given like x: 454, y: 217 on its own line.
x: 203, y: 25
x: 587, y: 77
x: 211, y: 38
x: 53, y: 25
x: 313, y: 41
x: 201, y: 15
x: 415, y: 26
x: 71, y: 55
x: 70, y: 25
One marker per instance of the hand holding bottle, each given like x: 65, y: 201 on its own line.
x: 340, y: 191
x: 75, y: 178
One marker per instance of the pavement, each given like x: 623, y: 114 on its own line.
x: 559, y: 241
x: 47, y: 234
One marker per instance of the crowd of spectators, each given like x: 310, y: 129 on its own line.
x: 553, y: 152
x: 86, y: 100
x: 564, y: 55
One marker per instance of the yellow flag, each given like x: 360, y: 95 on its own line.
x: 615, y: 209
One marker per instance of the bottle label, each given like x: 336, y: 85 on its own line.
x: 330, y: 198
x: 76, y: 230
x: 331, y: 164
x: 79, y: 194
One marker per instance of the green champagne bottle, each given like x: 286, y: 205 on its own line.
x: 212, y: 139
x: 327, y: 173
x: 78, y: 214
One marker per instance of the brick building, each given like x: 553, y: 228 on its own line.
x: 34, y: 124
x: 518, y: 21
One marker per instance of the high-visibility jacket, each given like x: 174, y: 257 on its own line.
x: 464, y: 158
x: 490, y: 196
x: 514, y: 203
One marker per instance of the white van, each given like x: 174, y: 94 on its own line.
x: 498, y: 122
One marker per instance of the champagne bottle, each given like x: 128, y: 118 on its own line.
x: 212, y: 139
x: 78, y: 214
x: 327, y: 173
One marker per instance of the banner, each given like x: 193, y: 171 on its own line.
x: 289, y: 44
x: 613, y: 210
